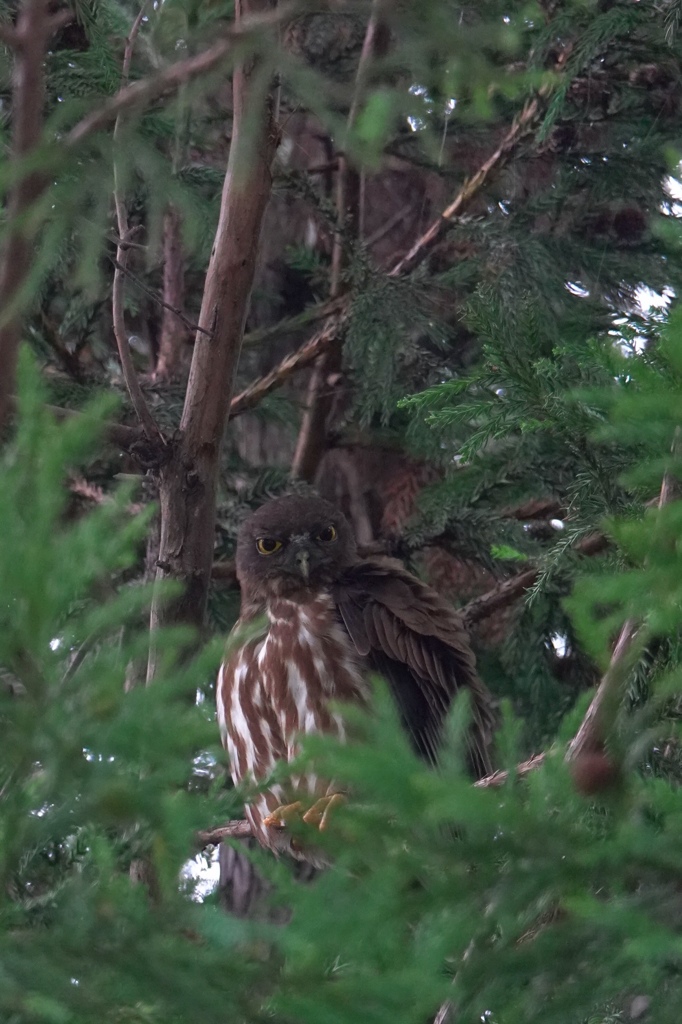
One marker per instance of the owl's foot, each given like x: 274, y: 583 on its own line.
x: 281, y: 815
x: 319, y: 813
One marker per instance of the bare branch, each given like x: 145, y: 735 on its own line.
x: 173, y: 337
x: 302, y: 357
x: 141, y: 93
x: 499, y: 778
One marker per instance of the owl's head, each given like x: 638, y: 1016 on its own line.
x: 293, y: 544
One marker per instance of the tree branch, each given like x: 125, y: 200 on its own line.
x: 239, y: 829
x: 140, y: 406
x: 508, y: 591
x: 302, y: 357
x: 173, y: 336
x: 594, y: 729
x: 188, y: 483
x: 328, y: 334
x: 155, y: 297
x: 312, y: 435
x: 147, y: 90
x: 125, y: 233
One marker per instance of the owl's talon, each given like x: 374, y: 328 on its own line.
x: 319, y: 813
x: 281, y: 815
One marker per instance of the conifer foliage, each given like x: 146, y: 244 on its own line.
x: 422, y: 257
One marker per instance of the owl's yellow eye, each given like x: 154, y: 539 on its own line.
x: 328, y: 534
x: 268, y: 545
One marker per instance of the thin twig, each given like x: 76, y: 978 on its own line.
x: 189, y: 324
x: 292, y: 323
x: 125, y: 233
x: 304, y: 356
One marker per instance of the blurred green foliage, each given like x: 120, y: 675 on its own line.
x: 527, y: 902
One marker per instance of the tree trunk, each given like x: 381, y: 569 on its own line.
x: 188, y: 480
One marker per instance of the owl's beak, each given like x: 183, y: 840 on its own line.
x: 303, y: 563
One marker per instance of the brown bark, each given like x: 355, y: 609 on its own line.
x: 29, y: 40
x: 188, y: 481
x: 146, y: 91
x: 173, y: 330
x: 312, y: 437
x: 509, y: 590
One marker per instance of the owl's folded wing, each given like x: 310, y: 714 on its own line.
x: 416, y: 641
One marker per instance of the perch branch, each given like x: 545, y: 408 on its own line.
x: 239, y: 829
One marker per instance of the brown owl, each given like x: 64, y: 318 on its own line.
x: 331, y: 620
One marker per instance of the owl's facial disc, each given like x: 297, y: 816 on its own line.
x: 300, y: 556
x: 292, y: 545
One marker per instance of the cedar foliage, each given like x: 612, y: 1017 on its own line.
x: 514, y: 365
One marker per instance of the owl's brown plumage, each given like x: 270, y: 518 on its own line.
x: 330, y: 620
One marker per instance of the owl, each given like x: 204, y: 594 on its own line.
x: 317, y: 622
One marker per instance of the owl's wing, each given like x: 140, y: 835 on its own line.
x: 417, y: 642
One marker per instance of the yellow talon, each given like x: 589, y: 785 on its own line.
x: 321, y: 809
x: 281, y: 815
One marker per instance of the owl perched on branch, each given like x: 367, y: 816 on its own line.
x: 331, y: 620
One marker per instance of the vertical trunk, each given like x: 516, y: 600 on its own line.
x: 31, y: 35
x: 312, y: 437
x: 188, y: 481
